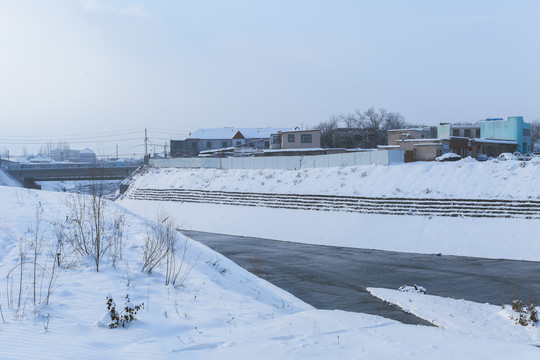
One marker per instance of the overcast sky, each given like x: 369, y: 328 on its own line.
x: 85, y: 70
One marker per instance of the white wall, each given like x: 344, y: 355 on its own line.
x: 378, y: 157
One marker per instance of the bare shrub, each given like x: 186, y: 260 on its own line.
x: 161, y: 248
x: 92, y: 230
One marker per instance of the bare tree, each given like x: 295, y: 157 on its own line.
x: 535, y: 134
x: 330, y: 133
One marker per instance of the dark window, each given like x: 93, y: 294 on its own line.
x: 224, y: 144
x: 455, y: 132
x: 306, y: 138
x: 290, y: 138
x: 467, y: 133
x: 208, y: 144
x: 238, y: 143
x: 267, y: 144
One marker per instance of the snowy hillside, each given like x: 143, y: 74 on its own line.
x: 458, y: 235
x: 6, y: 180
x: 216, y: 311
x: 467, y: 178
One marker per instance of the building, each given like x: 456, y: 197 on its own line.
x: 296, y: 139
x: 396, y: 135
x: 417, y: 144
x: 491, y: 147
x: 223, y: 138
x: 87, y: 156
x: 464, y: 130
x: 514, y: 129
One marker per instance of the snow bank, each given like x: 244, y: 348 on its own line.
x: 7, y: 180
x: 467, y: 178
x: 485, y: 320
x: 478, y: 237
x: 220, y: 312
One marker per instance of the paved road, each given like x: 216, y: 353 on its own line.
x: 336, y: 277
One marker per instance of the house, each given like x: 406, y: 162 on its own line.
x: 223, y: 138
x: 417, y: 144
x: 296, y: 139
x: 514, y: 129
x: 87, y: 156
x: 41, y: 159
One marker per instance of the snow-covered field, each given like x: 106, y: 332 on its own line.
x: 480, y: 237
x: 220, y: 310
x: 466, y: 178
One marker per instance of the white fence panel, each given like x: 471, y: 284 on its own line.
x: 378, y: 157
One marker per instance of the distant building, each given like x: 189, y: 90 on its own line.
x: 296, y: 139
x: 87, y: 156
x: 63, y: 155
x: 417, y: 144
x: 395, y: 135
x: 463, y: 130
x: 41, y: 159
x: 514, y: 129
x: 223, y: 138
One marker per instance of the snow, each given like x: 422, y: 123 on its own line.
x: 485, y: 320
x: 467, y: 178
x: 7, y: 180
x: 222, y: 311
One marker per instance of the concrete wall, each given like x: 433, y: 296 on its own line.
x: 379, y: 157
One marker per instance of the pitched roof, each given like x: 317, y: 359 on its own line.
x: 229, y: 132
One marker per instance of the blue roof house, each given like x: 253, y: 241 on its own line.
x: 512, y: 129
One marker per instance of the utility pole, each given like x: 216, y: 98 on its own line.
x: 145, y: 142
x: 116, y: 151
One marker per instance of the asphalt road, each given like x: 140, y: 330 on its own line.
x: 330, y: 277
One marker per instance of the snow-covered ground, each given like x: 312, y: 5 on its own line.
x: 480, y: 237
x: 220, y: 310
x: 466, y: 178
x: 486, y: 320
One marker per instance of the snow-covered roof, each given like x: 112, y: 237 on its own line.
x: 421, y: 140
x: 229, y: 132
x: 41, y: 159
x: 495, y: 141
x: 411, y: 129
x: 87, y: 151
x: 292, y: 150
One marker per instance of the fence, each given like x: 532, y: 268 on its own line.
x: 376, y: 157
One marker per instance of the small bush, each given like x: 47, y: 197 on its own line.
x: 122, y: 318
x: 524, y: 314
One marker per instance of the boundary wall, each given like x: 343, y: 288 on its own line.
x: 376, y: 157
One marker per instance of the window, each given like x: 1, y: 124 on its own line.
x: 267, y: 144
x: 467, y: 133
x: 455, y: 132
x: 238, y: 143
x: 223, y: 144
x: 194, y: 146
x: 306, y: 138
x: 208, y: 144
x: 290, y: 138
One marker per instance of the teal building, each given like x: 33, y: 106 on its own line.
x: 512, y: 129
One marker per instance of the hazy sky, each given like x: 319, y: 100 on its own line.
x: 94, y: 72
